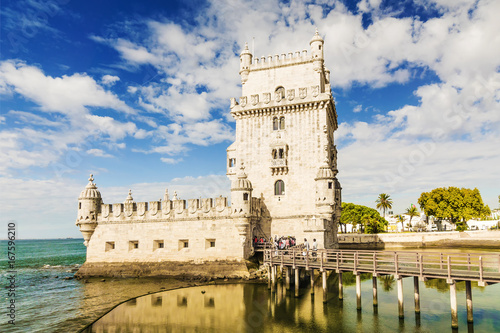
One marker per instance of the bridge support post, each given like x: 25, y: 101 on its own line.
x: 288, y: 273
x: 273, y: 278
x: 453, y: 304
x: 341, y: 287
x: 416, y: 291
x: 325, y: 287
x: 269, y: 276
x: 468, y: 295
x: 297, y: 278
x: 358, y: 292
x: 401, y: 307
x: 375, y: 298
x: 312, y: 281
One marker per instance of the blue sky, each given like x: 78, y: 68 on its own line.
x: 137, y: 93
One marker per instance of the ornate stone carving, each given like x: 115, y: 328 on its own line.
x: 117, y: 209
x: 267, y: 98
x: 254, y: 99
x: 105, y: 210
x: 315, y: 91
x: 233, y: 102
x: 290, y: 94
x: 243, y: 101
x: 141, y: 208
x: 128, y: 209
x: 153, y: 208
x: 302, y: 92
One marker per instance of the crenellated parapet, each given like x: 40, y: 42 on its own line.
x: 175, y: 209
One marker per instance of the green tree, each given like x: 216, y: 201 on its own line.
x: 368, y: 219
x: 412, y: 212
x: 384, y: 202
x: 453, y: 204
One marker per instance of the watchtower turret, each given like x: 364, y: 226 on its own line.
x: 245, y: 62
x: 325, y: 189
x: 241, y: 194
x: 316, y: 44
x: 89, y: 206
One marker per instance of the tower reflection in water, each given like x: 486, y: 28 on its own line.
x: 253, y: 308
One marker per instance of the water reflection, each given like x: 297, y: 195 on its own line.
x: 254, y: 308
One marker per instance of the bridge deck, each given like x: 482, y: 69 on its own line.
x: 481, y: 267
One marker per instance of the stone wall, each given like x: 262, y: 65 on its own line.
x: 486, y: 239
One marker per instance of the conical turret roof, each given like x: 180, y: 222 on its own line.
x: 90, y: 191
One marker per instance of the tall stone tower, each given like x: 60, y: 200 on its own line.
x: 285, y: 121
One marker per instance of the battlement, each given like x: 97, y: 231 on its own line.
x: 176, y: 209
x: 285, y: 59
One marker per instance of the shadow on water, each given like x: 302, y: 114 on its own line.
x: 254, y: 308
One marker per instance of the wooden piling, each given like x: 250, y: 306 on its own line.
x: 401, y: 307
x: 375, y: 298
x: 297, y: 276
x: 341, y: 287
x: 325, y: 287
x: 416, y: 291
x: 312, y: 281
x: 468, y: 295
x: 288, y: 273
x: 358, y: 292
x: 453, y: 305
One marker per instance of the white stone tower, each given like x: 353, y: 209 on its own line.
x: 285, y: 121
x: 89, y: 206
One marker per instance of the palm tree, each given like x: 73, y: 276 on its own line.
x: 400, y: 218
x: 384, y: 201
x: 411, y: 212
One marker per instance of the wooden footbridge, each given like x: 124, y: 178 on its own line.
x: 484, y: 268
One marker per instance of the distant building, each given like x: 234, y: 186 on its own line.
x: 282, y: 167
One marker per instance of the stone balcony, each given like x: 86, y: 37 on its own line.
x: 279, y: 166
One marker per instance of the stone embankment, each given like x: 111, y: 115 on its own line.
x: 467, y: 239
x: 206, y: 271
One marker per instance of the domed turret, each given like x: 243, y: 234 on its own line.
x: 241, y: 193
x: 316, y: 44
x: 325, y: 189
x: 89, y: 206
x: 245, y: 62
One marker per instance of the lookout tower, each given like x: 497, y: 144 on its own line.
x: 285, y: 123
x: 89, y: 205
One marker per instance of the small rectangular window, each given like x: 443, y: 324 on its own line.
x: 330, y: 185
x: 158, y: 244
x: 132, y: 245
x: 209, y: 243
x: 183, y: 244
x: 245, y: 196
x: 79, y: 205
x: 232, y: 162
x: 109, y: 246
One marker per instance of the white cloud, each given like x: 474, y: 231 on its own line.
x: 66, y: 94
x: 357, y: 108
x: 170, y: 160
x: 98, y: 153
x: 109, y: 80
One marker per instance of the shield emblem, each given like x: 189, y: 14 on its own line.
x: 153, y: 207
x: 267, y: 97
x: 255, y: 99
x: 243, y: 101
x: 105, y: 210
x: 117, y: 209
x: 142, y: 207
x: 166, y: 206
x: 315, y: 91
x: 302, y: 92
x: 129, y: 209
x: 290, y: 94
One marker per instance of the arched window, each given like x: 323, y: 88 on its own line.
x: 275, y: 124
x: 279, y: 187
x: 245, y: 196
x: 275, y: 154
x: 282, y: 123
x: 281, y: 153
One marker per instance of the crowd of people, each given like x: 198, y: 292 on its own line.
x: 286, y: 242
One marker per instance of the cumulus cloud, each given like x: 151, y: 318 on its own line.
x: 66, y: 94
x: 109, y: 80
x: 98, y: 153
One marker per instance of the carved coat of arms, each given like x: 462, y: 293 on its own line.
x: 290, y: 94
x: 141, y: 208
x: 302, y: 92
x: 105, y: 210
x: 243, y: 101
x: 117, y: 209
x: 153, y: 207
x: 254, y: 99
x: 267, y: 97
x: 315, y: 91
